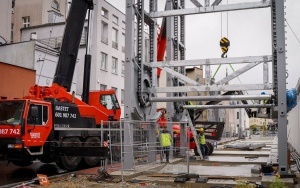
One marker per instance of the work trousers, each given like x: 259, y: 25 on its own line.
x: 166, y: 151
x: 202, y: 148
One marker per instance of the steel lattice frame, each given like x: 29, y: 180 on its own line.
x: 140, y: 76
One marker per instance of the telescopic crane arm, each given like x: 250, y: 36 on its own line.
x: 71, y: 42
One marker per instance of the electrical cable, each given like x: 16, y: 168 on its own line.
x: 292, y: 31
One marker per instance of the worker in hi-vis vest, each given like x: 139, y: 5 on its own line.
x: 202, y: 143
x: 165, y: 142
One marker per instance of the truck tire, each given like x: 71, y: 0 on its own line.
x: 196, y: 151
x: 92, y: 161
x: 72, y: 162
x: 209, y: 148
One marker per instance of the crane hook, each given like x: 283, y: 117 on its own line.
x: 224, y: 44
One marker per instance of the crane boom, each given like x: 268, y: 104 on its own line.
x: 71, y: 42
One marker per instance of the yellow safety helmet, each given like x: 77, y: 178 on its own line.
x: 201, y: 129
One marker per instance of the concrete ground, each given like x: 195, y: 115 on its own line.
x: 228, y: 167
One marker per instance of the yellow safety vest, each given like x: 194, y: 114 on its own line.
x: 165, y: 139
x: 202, y: 139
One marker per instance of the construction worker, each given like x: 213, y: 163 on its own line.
x: 202, y: 143
x: 165, y: 143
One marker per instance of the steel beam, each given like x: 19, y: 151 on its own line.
x: 214, y: 61
x: 211, y: 9
x: 265, y: 73
x: 180, y: 76
x: 236, y: 87
x: 216, y: 2
x: 211, y: 98
x: 237, y: 73
x: 196, y: 3
x: 228, y: 106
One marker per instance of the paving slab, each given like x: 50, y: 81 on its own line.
x: 229, y: 171
x: 245, y: 145
x: 238, y: 159
x: 226, y: 152
x: 267, y: 180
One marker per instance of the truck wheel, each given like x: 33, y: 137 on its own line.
x: 22, y: 163
x: 92, y: 141
x: 196, y: 151
x: 72, y: 162
x: 210, y: 148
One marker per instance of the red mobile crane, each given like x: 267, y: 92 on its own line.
x: 42, y: 126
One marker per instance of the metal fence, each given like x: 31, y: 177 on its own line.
x: 140, y: 146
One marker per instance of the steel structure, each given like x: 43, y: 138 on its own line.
x: 141, y: 84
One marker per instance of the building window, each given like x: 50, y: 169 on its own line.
x: 104, y: 12
x: 55, y: 5
x: 122, y: 96
x: 114, y: 68
x: 26, y: 21
x: 12, y: 33
x: 123, y: 68
x: 114, y: 38
x: 42, y: 116
x: 123, y: 42
x: 237, y: 115
x: 104, y: 33
x: 103, y: 87
x: 103, y: 65
x: 115, y: 89
x: 84, y: 38
x: 115, y: 19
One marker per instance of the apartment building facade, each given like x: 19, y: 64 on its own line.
x: 46, y: 25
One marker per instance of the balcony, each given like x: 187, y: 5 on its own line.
x: 56, y: 42
x: 104, y: 39
x: 114, y: 45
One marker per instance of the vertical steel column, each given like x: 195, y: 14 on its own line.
x: 170, y: 55
x: 153, y: 57
x: 181, y: 45
x: 266, y: 73
x: 182, y: 37
x: 279, y: 79
x: 129, y: 85
x: 153, y: 41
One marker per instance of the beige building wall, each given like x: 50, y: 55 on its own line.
x: 5, y: 20
x: 196, y: 73
x: 38, y: 11
x: 259, y: 122
x: 15, y: 81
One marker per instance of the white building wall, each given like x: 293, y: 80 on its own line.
x: 5, y: 20
x: 293, y: 127
x: 21, y: 54
x: 106, y: 77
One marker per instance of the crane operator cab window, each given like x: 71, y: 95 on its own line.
x: 37, y: 115
x: 109, y: 101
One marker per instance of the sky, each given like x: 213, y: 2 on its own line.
x: 249, y: 32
